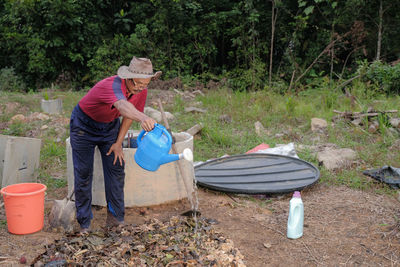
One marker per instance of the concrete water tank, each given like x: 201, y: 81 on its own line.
x: 19, y: 159
x: 52, y: 106
x: 142, y: 188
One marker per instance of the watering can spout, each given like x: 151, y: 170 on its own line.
x: 169, y: 157
x: 153, y: 149
x: 187, y: 154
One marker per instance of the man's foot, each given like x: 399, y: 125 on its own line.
x: 84, y: 232
x: 111, y: 221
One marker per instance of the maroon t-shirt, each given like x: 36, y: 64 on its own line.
x: 98, y: 102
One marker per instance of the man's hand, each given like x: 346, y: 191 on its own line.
x: 118, y: 153
x: 148, y: 124
x: 129, y: 111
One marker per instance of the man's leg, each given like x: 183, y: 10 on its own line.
x: 83, y: 172
x: 82, y: 156
x: 114, y: 180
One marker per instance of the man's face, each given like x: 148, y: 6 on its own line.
x: 137, y: 85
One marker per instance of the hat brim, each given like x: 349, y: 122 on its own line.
x: 124, y: 73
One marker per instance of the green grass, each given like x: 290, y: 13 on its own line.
x: 53, y: 183
x: 291, y: 114
x: 287, y: 118
x: 17, y: 128
x: 3, y: 224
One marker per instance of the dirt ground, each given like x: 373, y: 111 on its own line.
x: 342, y: 227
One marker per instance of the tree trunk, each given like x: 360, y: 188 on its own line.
x: 332, y: 55
x: 379, y: 44
x: 271, y: 52
x: 291, y: 80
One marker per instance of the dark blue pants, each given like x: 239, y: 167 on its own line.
x: 85, y: 135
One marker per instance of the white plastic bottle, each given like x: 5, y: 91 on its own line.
x: 296, y: 217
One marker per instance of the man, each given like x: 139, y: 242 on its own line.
x: 95, y: 122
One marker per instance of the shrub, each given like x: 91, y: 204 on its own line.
x: 252, y: 78
x: 9, y: 81
x: 386, y: 77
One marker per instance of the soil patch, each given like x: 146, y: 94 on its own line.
x: 342, y: 227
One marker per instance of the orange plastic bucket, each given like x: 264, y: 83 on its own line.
x: 24, y: 204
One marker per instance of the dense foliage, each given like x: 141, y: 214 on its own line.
x: 80, y: 42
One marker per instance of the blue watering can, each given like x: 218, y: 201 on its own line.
x: 153, y: 149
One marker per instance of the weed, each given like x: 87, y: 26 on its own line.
x: 3, y: 224
x: 263, y: 204
x: 18, y: 128
x: 52, y: 183
x: 384, y: 123
x: 179, y: 104
x: 308, y: 155
x: 46, y: 95
x: 290, y: 105
x: 52, y: 149
x: 52, y: 159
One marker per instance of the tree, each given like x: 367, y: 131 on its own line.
x: 274, y: 16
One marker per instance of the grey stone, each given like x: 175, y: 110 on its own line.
x: 318, y: 125
x: 156, y: 115
x: 261, y: 131
x: 195, y: 129
x: 373, y: 127
x: 225, y: 118
x: 395, y: 122
x: 336, y: 158
x: 356, y: 122
x: 194, y: 110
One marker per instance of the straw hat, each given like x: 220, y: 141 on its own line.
x: 138, y: 68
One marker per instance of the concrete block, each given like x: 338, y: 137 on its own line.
x: 142, y: 188
x: 19, y: 159
x: 52, y: 106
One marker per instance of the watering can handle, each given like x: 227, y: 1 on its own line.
x: 165, y: 131
x: 140, y: 136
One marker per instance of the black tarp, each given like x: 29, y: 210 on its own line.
x: 386, y: 174
x: 256, y: 173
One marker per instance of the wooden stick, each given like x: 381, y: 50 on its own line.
x: 309, y: 251
x: 165, y: 120
x: 174, y: 151
x: 347, y: 82
x: 356, y: 115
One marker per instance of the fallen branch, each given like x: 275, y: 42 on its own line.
x: 327, y: 48
x: 347, y: 82
x: 180, y: 262
x: 272, y: 229
x: 178, y: 92
x: 309, y: 251
x: 358, y: 115
x: 375, y: 253
x: 347, y: 260
x: 231, y: 197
